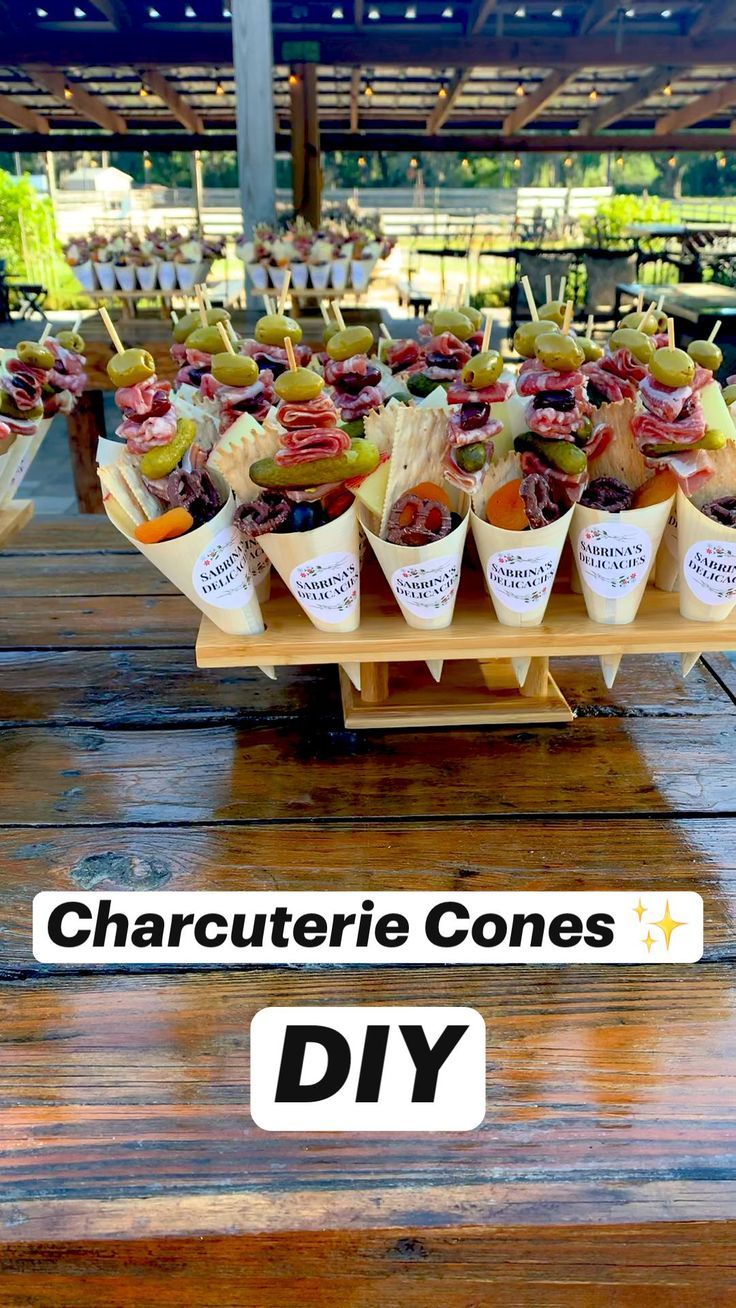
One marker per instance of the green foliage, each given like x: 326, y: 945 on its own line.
x: 494, y: 296
x: 26, y: 218
x: 612, y: 217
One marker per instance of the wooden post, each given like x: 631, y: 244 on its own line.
x: 305, y: 146
x: 374, y: 682
x: 86, y: 423
x: 536, y: 685
x: 197, y: 188
x: 253, y: 65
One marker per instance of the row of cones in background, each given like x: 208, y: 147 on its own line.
x: 14, y: 465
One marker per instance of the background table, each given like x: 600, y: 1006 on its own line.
x: 130, y: 1172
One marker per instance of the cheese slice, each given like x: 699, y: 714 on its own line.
x: 716, y: 410
x: 372, y: 490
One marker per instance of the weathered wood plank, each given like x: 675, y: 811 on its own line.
x: 491, y: 856
x: 606, y: 766
x: 68, y: 622
x: 86, y: 573
x: 84, y: 532
x: 122, y: 1110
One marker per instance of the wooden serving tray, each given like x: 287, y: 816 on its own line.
x: 478, y: 683
x: 15, y: 516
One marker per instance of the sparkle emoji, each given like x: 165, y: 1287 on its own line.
x: 640, y: 909
x: 668, y: 924
x: 649, y: 940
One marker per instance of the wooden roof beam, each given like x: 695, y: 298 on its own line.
x: 168, y: 94
x: 598, y: 14
x: 694, y: 112
x: 12, y: 111
x: 480, y: 12
x: 359, y: 12
x: 706, y: 18
x: 88, y: 106
x: 623, y: 103
x: 533, y: 104
x: 116, y: 12
x: 445, y: 104
x: 354, y: 99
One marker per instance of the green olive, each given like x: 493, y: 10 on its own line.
x: 553, y: 311
x: 187, y: 323
x: 331, y: 328
x: 471, y: 458
x: 274, y: 328
x: 298, y: 384
x: 234, y: 369
x: 35, y: 355
x: 672, y: 367
x: 591, y: 349
x: 206, y: 339
x: 452, y: 320
x: 561, y: 353
x: 473, y: 315
x: 729, y: 394
x: 641, y: 322
x: 706, y: 354
x: 131, y: 367
x: 351, y: 340
x: 526, y: 334
x: 636, y: 342
x: 71, y: 341
x: 483, y: 370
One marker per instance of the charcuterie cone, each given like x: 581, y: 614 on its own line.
x: 321, y: 569
x: 707, y: 554
x: 424, y: 579
x: 667, y: 567
x: 519, y: 567
x: 435, y: 667
x: 352, y: 672
x: 687, y: 663
x: 613, y: 553
x: 15, y: 464
x: 521, y: 669
x: 610, y: 664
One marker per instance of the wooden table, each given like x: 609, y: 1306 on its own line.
x: 130, y: 1172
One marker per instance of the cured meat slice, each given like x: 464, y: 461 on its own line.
x: 311, y: 443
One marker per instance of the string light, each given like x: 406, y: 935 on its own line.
x: 42, y: 13
x: 337, y: 13
x: 147, y: 163
x: 368, y: 90
x: 190, y: 12
x: 666, y: 13
x: 374, y: 14
x: 557, y: 13
x: 143, y: 91
x: 227, y: 11
x: 520, y: 90
x: 410, y: 12
x: 68, y: 92
x: 672, y: 161
x: 465, y: 163
x: 667, y: 90
x: 448, y: 11
x: 620, y: 161
x: 520, y: 12
x: 153, y: 13
x: 517, y: 162
x: 79, y: 13
x: 361, y: 161
x: 631, y: 13
x: 568, y: 161
x: 219, y: 89
x: 413, y: 163
x: 442, y: 92
x: 293, y: 79
x: 721, y: 161
x: 593, y: 94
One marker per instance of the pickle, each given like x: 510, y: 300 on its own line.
x: 712, y: 440
x: 10, y: 409
x: 561, y: 454
x: 354, y: 428
x: 420, y: 385
x: 358, y: 461
x: 162, y: 460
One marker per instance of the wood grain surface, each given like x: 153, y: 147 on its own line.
x: 130, y: 1171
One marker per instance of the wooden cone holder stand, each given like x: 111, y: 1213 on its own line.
x: 478, y: 685
x: 13, y: 518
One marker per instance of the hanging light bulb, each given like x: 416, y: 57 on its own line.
x: 465, y: 163
x: 520, y: 90
x: 219, y: 88
x: 374, y: 14
x: 410, y: 12
x: 413, y: 163
x: 620, y: 161
x: 153, y: 13
x: 672, y: 161
x: 190, y: 12
x: 368, y: 90
x: 568, y: 161
x: 337, y: 13
x: 143, y: 91
x: 722, y: 161
x: 362, y: 161
x: 79, y: 13
x: 293, y: 79
x: 147, y: 161
x: 517, y: 162
x: 442, y: 92
x: 42, y: 13
x: 448, y: 11
x: 67, y: 91
x: 593, y: 94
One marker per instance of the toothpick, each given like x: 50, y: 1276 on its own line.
x: 660, y: 303
x: 77, y: 323
x: 567, y: 321
x: 268, y: 304
x: 715, y: 331
x: 225, y: 338
x: 383, y: 329
x: 563, y: 284
x: 640, y: 302
x: 338, y: 316
x: 206, y: 298
x: 324, y: 310
x: 487, y: 327
x: 590, y: 324
x: 460, y: 295
x: 111, y: 330
x: 174, y: 317
x: 548, y: 287
x: 290, y: 354
x: 671, y: 333
x: 46, y: 331
x: 201, y: 306
x: 284, y: 292
x: 530, y: 298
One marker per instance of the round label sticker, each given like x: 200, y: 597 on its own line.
x: 521, y: 579
x: 327, y: 587
x: 670, y: 535
x: 221, y: 575
x: 258, y: 563
x: 427, y: 588
x: 710, y: 571
x: 613, y: 557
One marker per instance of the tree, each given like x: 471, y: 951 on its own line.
x: 26, y: 221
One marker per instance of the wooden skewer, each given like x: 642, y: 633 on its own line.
x: 671, y: 333
x: 383, y: 329
x: 660, y: 303
x: 338, y: 316
x: 174, y: 317
x: 590, y: 325
x: 567, y: 321
x: 487, y: 328
x: 46, y: 331
x: 290, y: 354
x: 563, y: 284
x: 460, y: 295
x: 110, y: 325
x: 268, y: 304
x: 645, y: 317
x: 201, y: 305
x: 715, y: 331
x: 225, y: 338
x: 640, y: 302
x: 284, y: 292
x: 530, y: 298
x: 206, y: 298
x: 325, y: 312
x: 77, y: 323
x: 548, y: 287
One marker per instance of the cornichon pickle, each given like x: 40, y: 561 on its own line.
x: 352, y: 340
x: 561, y: 454
x: 298, y: 385
x: 187, y: 323
x: 354, y: 428
x: 274, y: 328
x: 162, y: 460
x: 131, y: 367
x: 358, y: 461
x: 10, y: 409
x: 35, y: 354
x: 712, y: 440
x: 420, y: 385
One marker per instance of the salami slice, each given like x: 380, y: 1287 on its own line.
x: 311, y: 443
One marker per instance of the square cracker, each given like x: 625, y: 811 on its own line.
x: 420, y: 441
x: 380, y: 426
x: 241, y: 445
x: 622, y: 458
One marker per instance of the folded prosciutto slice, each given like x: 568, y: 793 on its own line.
x: 457, y: 434
x: 143, y: 436
x: 356, y: 406
x: 142, y: 398
x: 402, y: 355
x: 624, y: 365
x: 611, y: 388
x: 553, y: 423
x: 534, y: 377
x: 308, y: 444
x: 665, y: 402
x: 462, y: 394
x: 687, y: 430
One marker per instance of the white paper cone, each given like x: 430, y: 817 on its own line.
x: 610, y: 664
x: 167, y: 275
x: 208, y: 565
x: 85, y: 275
x: 319, y: 275
x: 15, y: 464
x: 106, y: 276
x: 203, y: 271
x: 125, y: 276
x: 108, y: 451
x: 299, y: 276
x: 258, y: 276
x: 687, y: 663
x: 352, y: 672
x: 277, y: 275
x: 435, y: 666
x: 519, y: 567
x: 424, y: 578
x: 147, y: 275
x: 320, y: 568
x: 260, y: 570
x: 667, y: 567
x: 614, y: 553
x: 186, y: 275
x: 521, y: 669
x: 339, y: 273
x: 361, y: 271
x: 707, y: 555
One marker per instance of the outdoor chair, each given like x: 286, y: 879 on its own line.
x: 537, y: 265
x: 604, y: 270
